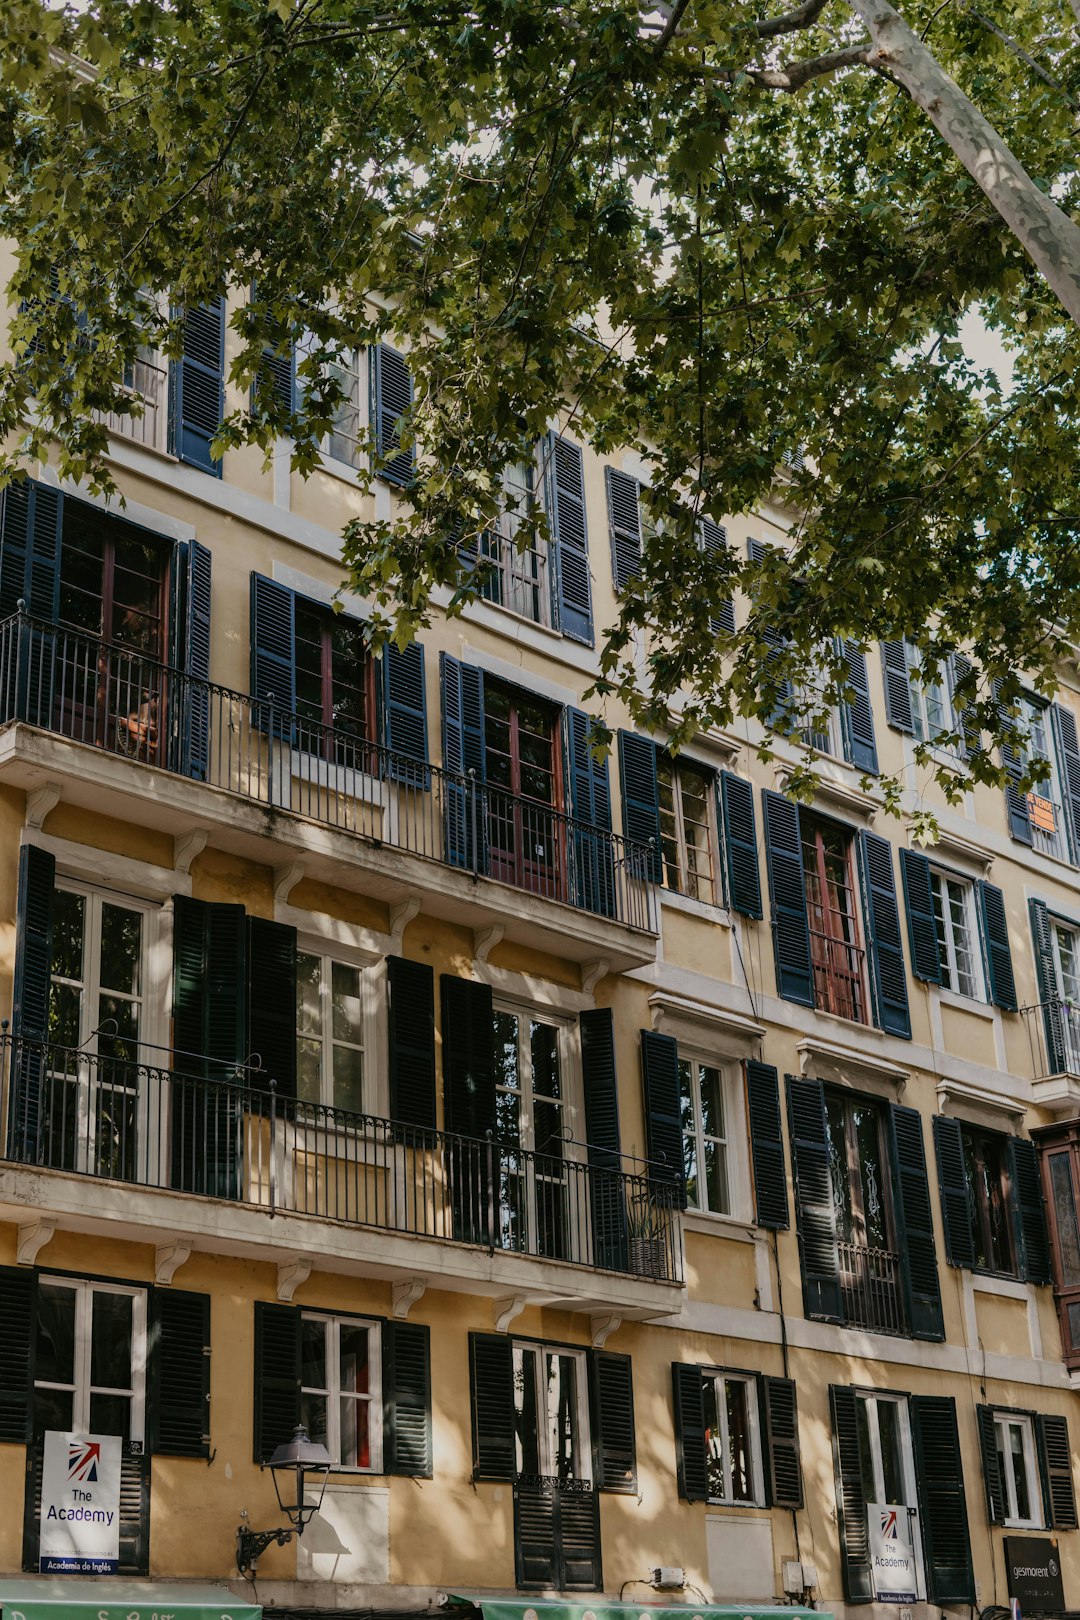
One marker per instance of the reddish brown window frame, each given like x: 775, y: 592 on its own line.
x: 837, y: 954
x: 1053, y: 1140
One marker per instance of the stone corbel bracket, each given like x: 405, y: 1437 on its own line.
x: 33, y: 1237
x: 507, y: 1311
x: 486, y: 939
x: 405, y: 1295
x: 400, y: 918
x: 592, y: 972
x: 168, y: 1258
x: 602, y: 1329
x: 285, y: 880
x: 186, y: 846
x: 39, y: 801
x: 290, y: 1275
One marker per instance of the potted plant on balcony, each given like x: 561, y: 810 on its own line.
x: 647, y: 1233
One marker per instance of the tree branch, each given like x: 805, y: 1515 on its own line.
x: 790, y: 22
x: 793, y: 75
x: 674, y: 19
x: 1018, y: 50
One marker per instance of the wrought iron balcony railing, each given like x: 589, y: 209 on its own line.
x: 871, y: 1287
x: 1053, y: 1030
x: 114, y: 698
x: 224, y: 1132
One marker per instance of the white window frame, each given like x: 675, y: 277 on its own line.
x: 543, y: 1418
x: 941, y: 876
x: 731, y: 1101
x: 333, y: 1394
x: 719, y: 1378
x: 357, y: 370
x: 918, y: 694
x: 93, y: 899
x: 509, y: 566
x: 872, y: 1401
x: 81, y: 1390
x: 1003, y: 1421
x: 712, y: 831
x: 1031, y: 711
x: 526, y: 1013
x: 327, y: 955
x: 833, y: 735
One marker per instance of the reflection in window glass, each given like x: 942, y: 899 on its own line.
x: 1068, y: 1232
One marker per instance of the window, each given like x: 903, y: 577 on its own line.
x: 931, y: 698
x: 824, y: 730
x: 989, y: 1194
x: 517, y: 577
x: 523, y: 791
x: 1017, y: 1469
x: 836, y: 954
x: 329, y: 1032
x: 90, y: 1355
x: 687, y: 796
x: 532, y: 1126
x: 551, y: 1413
x: 335, y: 690
x: 958, y: 934
x: 861, y: 1178
x: 340, y: 1389
x: 886, y: 1458
x: 1044, y: 800
x: 732, y: 1439
x: 1060, y: 1155
x: 346, y: 439
x: 705, y: 1137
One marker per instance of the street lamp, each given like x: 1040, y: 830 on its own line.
x: 300, y: 1457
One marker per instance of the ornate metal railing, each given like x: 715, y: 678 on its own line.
x: 114, y: 698
x: 1053, y: 1030
x: 871, y: 1286
x: 223, y: 1131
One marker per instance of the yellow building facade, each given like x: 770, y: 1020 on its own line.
x: 615, y: 1167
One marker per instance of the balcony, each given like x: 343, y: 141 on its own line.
x: 871, y: 1288
x: 1053, y: 1031
x: 220, y: 742
x: 221, y: 1137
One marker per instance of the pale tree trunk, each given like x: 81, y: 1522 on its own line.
x: 1043, y: 229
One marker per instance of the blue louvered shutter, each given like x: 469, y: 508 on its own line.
x: 640, y: 803
x: 1016, y: 804
x: 592, y: 874
x: 955, y: 1194
x: 405, y: 714
x: 856, y: 715
x: 30, y: 541
x: 814, y: 1208
x: 273, y: 656
x: 30, y: 1005
x: 1069, y: 762
x: 464, y: 813
x: 601, y: 1095
x: 922, y: 926
x: 391, y: 398
x: 894, y: 673
x: 663, y: 1112
x: 570, y: 538
x: 713, y: 537
x: 1053, y: 1010
x: 740, y: 845
x: 970, y: 733
x: 1029, y: 1213
x: 624, y: 526
x: 944, y: 1517
x: 787, y: 893
x: 198, y: 385
x: 782, y: 691
x: 916, y: 1237
x: 996, y: 937
x: 886, y: 948
x: 766, y: 1145
x: 195, y: 709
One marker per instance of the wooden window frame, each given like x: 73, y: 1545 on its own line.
x: 540, y: 1348
x: 1062, y: 1139
x: 712, y: 831
x: 839, y: 991
x: 1005, y: 1418
x: 946, y: 931
x: 980, y: 1208
x: 327, y: 958
x: 327, y: 728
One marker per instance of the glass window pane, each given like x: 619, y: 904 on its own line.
x: 892, y: 1458
x: 1019, y: 1471
x: 68, y: 915
x: 55, y: 1338
x: 544, y: 1041
x: 110, y: 1340
x: 121, y: 939
x: 349, y: 1079
x: 712, y: 1102
x: 716, y: 1177
x: 355, y: 1435
x: 313, y: 1354
x: 110, y: 1414
x: 313, y: 1416
x: 348, y: 1022
x: 355, y: 1369
x: 1068, y: 1233
x: 562, y: 1411
x: 309, y: 1071
x: 714, y: 1456
x: 866, y: 1456
x: 526, y: 1437
x: 308, y: 982
x: 53, y: 1409
x: 65, y: 1015
x: 739, y: 1457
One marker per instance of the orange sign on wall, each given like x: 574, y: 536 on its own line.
x: 1041, y: 812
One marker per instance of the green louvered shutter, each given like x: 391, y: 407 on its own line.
x: 272, y: 999
x: 406, y: 1393
x: 27, y: 1110
x: 850, y: 1501
x: 624, y: 526
x: 611, y: 1410
x: 640, y: 801
x: 464, y: 759
x: 391, y: 399
x: 998, y: 954
x: 897, y: 689
x: 787, y: 892
x: 767, y: 1145
x: 194, y: 719
x: 467, y: 1056
x: 916, y: 1237
x: 491, y: 1374
x: 592, y: 857
x: 922, y: 926
x: 691, y: 1443
x: 210, y: 981
x: 955, y: 1197
x: 943, y: 1504
x: 601, y: 1096
x: 1055, y: 1461
x: 783, y: 1458
x: 411, y: 1032
x: 887, y: 951
x: 991, y: 1466
x: 856, y: 714
x: 572, y: 586
x: 814, y: 1208
x: 197, y: 382
x: 1069, y: 757
x: 1028, y: 1210
x: 273, y: 656
x: 714, y: 542
x: 405, y: 714
x: 277, y: 1377
x: 663, y: 1112
x: 1053, y: 1011
x: 18, y: 1311
x: 740, y: 845
x: 31, y: 532
x: 178, y: 1359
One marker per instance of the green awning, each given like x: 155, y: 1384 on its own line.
x: 90, y: 1599
x: 551, y: 1609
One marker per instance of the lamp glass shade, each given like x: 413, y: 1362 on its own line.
x: 290, y: 1462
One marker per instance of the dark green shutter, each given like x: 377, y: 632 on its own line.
x: 1069, y: 762
x: 277, y: 1376
x: 592, y: 858
x: 691, y: 1450
x: 955, y: 1197
x: 814, y: 1209
x: 1055, y: 1462
x: 991, y: 1467
x: 491, y: 1374
x: 850, y: 1501
x: 1016, y: 805
x: 405, y: 713
x: 1029, y: 1213
x: 273, y: 655
x: 468, y: 1063
x: 31, y: 532
x: 276, y: 379
x: 919, y: 905
x: 787, y: 892
x: 611, y: 1410
x: 781, y: 1425
x: 197, y: 381
x: 916, y: 1236
x: 464, y: 758
x: 565, y: 482
x: 943, y: 1505
x: 536, y: 1535
x: 601, y: 1096
x: 1053, y: 1014
x: 897, y: 688
x: 226, y: 984
x: 178, y: 1354
x: 195, y: 717
x: 856, y: 713
x: 970, y: 732
x: 18, y: 1311
x: 411, y: 1028
x: 30, y: 1010
x: 714, y: 541
x: 887, y: 951
x: 998, y: 954
x: 740, y: 845
x: 209, y: 1042
x: 406, y: 1369
x: 663, y: 1109
x: 272, y: 1001
x: 767, y: 1145
x: 391, y: 398
x: 578, y: 1540
x: 640, y: 802
x: 624, y: 526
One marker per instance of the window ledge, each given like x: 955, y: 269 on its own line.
x: 842, y: 1062
x: 1001, y: 1285
x: 715, y: 1225
x: 959, y: 1098
x: 710, y: 910
x: 341, y: 470
x: 967, y: 1004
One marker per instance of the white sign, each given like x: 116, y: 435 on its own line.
x: 80, y: 1504
x: 892, y: 1553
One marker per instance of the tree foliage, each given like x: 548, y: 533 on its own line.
x: 740, y: 246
